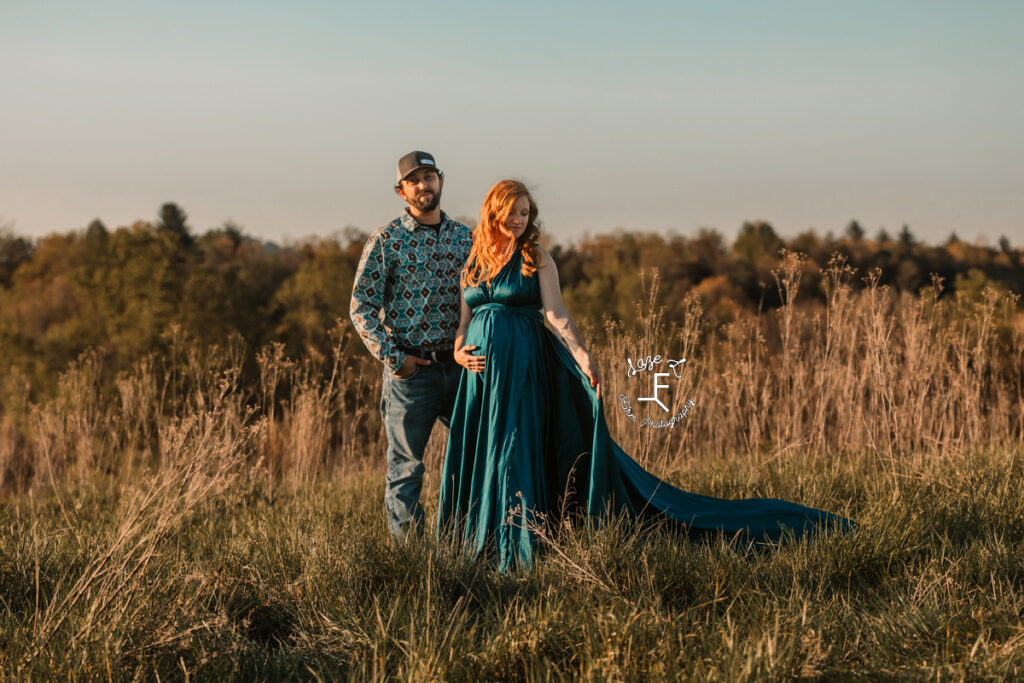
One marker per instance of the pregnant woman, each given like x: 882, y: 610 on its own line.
x: 528, y: 436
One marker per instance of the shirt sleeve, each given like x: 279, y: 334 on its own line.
x: 368, y: 302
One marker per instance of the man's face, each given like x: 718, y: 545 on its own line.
x: 422, y: 189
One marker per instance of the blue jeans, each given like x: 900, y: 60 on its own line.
x: 410, y: 407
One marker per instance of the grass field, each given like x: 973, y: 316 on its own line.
x: 206, y: 572
x: 175, y: 522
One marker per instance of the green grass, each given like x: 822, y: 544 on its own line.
x: 253, y: 580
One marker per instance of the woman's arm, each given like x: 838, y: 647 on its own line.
x: 561, y: 322
x: 462, y: 353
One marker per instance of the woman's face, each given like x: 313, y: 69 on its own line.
x: 518, y: 218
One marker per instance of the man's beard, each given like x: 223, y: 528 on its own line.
x: 426, y: 202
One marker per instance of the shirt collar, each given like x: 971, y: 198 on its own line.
x: 411, y: 223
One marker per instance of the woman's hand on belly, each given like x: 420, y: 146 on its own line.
x: 469, y: 361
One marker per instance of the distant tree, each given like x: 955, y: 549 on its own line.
x: 1004, y: 245
x: 570, y: 264
x: 908, y: 276
x: 314, y: 297
x: 808, y: 243
x: 221, y: 244
x: 49, y: 329
x: 974, y: 282
x: 233, y: 231
x: 906, y: 237
x: 883, y: 235
x: 854, y: 231
x: 141, y: 289
x: 96, y: 235
x: 353, y: 239
x: 756, y: 239
x: 173, y: 220
x: 704, y: 255
x: 756, y: 251
x: 14, y: 251
x: 953, y: 238
x: 708, y: 244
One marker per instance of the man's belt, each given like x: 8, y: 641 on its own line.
x: 442, y: 356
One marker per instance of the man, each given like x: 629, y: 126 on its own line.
x: 405, y: 306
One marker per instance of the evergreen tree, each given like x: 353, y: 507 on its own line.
x: 906, y: 237
x: 172, y: 220
x: 854, y: 231
x: 14, y: 251
x: 96, y: 235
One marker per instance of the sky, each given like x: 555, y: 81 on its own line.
x: 288, y: 118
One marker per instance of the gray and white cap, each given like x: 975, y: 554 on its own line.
x: 414, y: 161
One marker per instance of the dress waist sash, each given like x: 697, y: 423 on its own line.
x: 525, y: 311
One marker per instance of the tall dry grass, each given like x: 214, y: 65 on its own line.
x: 869, y: 371
x: 872, y: 371
x: 318, y: 414
x: 111, y: 593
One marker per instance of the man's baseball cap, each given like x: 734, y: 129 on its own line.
x: 414, y: 161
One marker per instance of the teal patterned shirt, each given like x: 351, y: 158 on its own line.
x: 406, y: 290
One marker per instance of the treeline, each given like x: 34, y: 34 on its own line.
x: 129, y: 293
x: 602, y: 275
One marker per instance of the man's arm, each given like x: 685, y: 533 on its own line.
x: 368, y: 302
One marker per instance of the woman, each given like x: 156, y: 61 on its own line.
x: 527, y: 436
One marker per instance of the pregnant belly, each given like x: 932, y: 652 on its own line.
x: 498, y: 332
x: 479, y: 332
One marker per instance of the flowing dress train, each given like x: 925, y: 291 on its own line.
x: 528, y: 438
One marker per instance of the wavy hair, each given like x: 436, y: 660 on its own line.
x: 485, y: 262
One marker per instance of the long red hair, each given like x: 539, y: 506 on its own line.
x: 485, y: 259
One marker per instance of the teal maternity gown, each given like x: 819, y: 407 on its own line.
x: 528, y: 439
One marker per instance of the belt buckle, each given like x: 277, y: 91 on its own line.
x: 432, y: 356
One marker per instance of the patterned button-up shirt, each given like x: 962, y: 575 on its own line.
x: 406, y: 290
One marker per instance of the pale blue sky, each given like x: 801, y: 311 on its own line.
x: 289, y: 118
